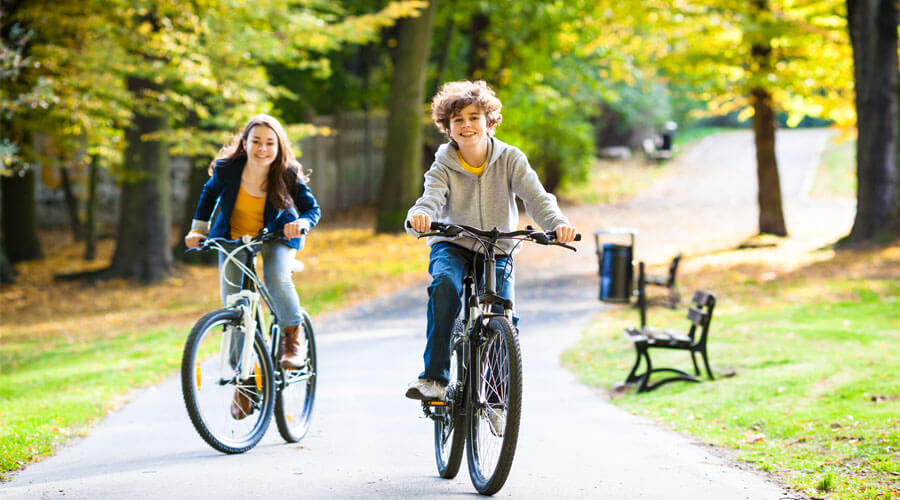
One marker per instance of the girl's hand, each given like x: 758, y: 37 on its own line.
x: 565, y: 233
x: 193, y: 239
x: 295, y: 229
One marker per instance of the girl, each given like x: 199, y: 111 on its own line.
x: 257, y: 182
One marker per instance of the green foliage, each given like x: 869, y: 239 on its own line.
x: 206, y: 61
x: 798, y: 50
x: 551, y: 132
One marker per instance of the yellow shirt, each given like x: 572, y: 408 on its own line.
x: 247, y: 216
x: 469, y: 168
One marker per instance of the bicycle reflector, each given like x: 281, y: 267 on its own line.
x: 198, y: 376
x: 257, y: 377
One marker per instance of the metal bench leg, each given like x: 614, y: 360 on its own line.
x: 645, y: 378
x: 694, y: 359
x: 632, y: 375
x: 706, y: 363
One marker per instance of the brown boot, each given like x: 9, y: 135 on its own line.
x: 241, y: 404
x: 293, y: 355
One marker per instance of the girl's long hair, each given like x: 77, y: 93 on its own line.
x: 284, y: 172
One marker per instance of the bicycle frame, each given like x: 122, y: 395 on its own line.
x: 250, y: 291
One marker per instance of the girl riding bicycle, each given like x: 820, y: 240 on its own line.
x: 257, y: 183
x: 474, y: 180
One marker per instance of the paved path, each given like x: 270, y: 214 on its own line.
x: 368, y: 441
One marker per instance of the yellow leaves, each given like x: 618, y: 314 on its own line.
x: 745, y: 113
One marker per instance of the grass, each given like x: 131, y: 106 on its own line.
x: 814, y: 346
x: 836, y: 177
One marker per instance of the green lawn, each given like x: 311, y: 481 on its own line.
x: 836, y: 177
x: 815, y: 396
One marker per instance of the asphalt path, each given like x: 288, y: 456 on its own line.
x: 368, y: 441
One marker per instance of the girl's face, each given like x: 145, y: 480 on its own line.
x: 261, y: 145
x: 469, y: 127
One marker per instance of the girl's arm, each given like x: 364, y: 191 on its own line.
x: 208, y: 197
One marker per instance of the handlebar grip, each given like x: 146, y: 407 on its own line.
x: 577, y: 236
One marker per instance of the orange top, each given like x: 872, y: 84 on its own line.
x: 247, y: 216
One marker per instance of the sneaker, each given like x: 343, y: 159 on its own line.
x: 497, y: 419
x: 426, y: 390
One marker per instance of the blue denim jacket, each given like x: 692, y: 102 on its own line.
x: 222, y: 189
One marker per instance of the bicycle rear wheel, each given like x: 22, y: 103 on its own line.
x: 495, y: 407
x: 449, y: 422
x: 211, y: 376
x: 297, y: 393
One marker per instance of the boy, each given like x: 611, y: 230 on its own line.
x: 474, y: 181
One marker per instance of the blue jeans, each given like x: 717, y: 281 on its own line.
x: 447, y: 266
x: 277, y: 259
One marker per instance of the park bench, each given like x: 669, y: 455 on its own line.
x: 667, y: 281
x: 645, y: 338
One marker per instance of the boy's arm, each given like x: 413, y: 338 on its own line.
x: 539, y: 204
x: 433, y: 198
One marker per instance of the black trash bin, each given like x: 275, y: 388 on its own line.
x: 616, y: 268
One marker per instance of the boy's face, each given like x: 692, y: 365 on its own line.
x: 469, y: 126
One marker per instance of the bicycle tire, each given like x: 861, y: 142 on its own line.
x: 294, y: 399
x: 449, y: 430
x: 202, y: 370
x: 495, y: 379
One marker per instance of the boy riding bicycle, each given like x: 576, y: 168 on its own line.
x: 474, y: 180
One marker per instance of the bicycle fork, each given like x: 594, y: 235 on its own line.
x: 237, y: 349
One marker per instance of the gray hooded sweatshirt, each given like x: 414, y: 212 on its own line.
x: 454, y: 195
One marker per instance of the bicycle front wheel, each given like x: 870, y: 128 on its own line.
x: 297, y: 391
x: 212, y: 380
x: 495, y: 406
x: 449, y: 424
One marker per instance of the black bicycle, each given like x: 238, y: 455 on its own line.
x: 484, y: 394
x: 234, y: 349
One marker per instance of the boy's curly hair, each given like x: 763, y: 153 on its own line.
x: 454, y: 96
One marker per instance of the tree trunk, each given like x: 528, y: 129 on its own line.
x: 771, y: 216
x: 90, y: 209
x: 402, y: 179
x: 479, y: 49
x: 7, y: 272
x: 142, y: 243
x: 20, y: 216
x: 443, y: 55
x: 873, y: 34
x: 71, y: 204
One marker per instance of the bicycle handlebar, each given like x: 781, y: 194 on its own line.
x: 262, y: 236
x: 452, y: 230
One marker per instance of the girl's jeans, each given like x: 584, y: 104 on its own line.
x: 277, y: 258
x: 447, y: 266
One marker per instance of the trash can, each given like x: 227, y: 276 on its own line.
x: 615, y: 266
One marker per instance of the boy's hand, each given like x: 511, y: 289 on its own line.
x: 420, y: 222
x: 565, y: 233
